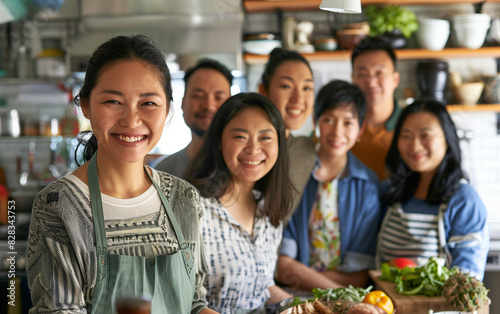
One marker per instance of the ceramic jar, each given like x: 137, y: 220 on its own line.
x: 492, y: 89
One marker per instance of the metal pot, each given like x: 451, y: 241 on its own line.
x: 10, y: 124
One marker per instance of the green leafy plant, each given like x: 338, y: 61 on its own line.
x: 427, y: 279
x: 385, y: 19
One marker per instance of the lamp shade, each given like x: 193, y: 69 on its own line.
x: 341, y: 6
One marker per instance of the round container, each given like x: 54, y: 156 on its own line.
x: 10, y: 123
x: 49, y: 126
x: 433, y: 39
x: 492, y: 90
x: 261, y: 46
x: 50, y: 67
x: 345, y: 307
x: 349, y: 38
x: 30, y: 126
x: 133, y: 305
x: 325, y: 44
x: 471, y: 29
x: 432, y: 77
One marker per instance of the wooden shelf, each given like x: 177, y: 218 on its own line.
x: 405, y: 54
x: 402, y: 54
x: 480, y: 107
x: 302, y: 5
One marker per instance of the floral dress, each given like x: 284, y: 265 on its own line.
x: 324, y: 230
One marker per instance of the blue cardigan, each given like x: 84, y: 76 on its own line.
x: 359, y: 216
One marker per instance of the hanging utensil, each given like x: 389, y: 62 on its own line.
x: 28, y: 178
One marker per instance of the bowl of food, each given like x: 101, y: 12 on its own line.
x: 334, y: 307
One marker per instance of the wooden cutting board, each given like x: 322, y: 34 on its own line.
x: 415, y: 304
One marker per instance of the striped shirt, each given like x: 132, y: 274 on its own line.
x: 240, y: 266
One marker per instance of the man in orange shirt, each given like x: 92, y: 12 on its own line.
x: 374, y: 71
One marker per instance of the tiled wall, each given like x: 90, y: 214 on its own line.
x: 480, y: 146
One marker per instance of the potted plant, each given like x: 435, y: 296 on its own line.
x: 395, y: 22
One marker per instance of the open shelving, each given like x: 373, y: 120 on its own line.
x: 402, y: 54
x: 252, y: 6
x: 255, y: 6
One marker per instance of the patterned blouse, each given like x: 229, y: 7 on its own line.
x: 61, y: 255
x: 240, y: 266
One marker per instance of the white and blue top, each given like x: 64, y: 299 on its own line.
x: 240, y: 266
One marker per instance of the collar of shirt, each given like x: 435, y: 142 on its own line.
x: 354, y: 168
x: 224, y: 215
x: 390, y: 125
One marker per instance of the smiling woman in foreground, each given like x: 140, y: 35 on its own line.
x: 113, y: 228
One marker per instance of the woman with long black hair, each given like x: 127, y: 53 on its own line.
x: 432, y: 210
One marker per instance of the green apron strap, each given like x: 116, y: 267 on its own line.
x: 173, y: 220
x: 96, y: 201
x: 186, y: 251
x: 102, y: 281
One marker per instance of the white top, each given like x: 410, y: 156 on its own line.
x: 116, y: 208
x: 240, y: 266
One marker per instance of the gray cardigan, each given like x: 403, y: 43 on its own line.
x: 61, y: 255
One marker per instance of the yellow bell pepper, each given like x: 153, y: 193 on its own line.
x: 381, y: 300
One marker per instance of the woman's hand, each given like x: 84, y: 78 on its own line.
x: 277, y: 295
x: 208, y: 311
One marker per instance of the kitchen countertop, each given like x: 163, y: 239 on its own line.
x: 416, y: 304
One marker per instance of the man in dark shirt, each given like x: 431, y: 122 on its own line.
x: 207, y: 86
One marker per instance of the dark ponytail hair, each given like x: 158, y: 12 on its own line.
x: 119, y: 48
x: 404, y: 181
x: 276, y: 58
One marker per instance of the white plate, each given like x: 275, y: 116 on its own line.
x: 261, y: 47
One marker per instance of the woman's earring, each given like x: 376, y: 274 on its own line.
x: 316, y: 131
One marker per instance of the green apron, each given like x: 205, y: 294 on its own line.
x: 167, y: 279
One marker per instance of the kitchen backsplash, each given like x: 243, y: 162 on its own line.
x: 480, y: 144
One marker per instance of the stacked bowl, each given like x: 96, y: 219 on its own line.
x: 433, y: 33
x: 471, y: 29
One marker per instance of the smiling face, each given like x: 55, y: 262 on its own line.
x: 249, y: 145
x: 291, y: 89
x: 373, y: 71
x: 421, y: 143
x: 127, y: 110
x: 339, y: 129
x: 206, y: 91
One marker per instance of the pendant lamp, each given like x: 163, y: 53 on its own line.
x: 341, y: 6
